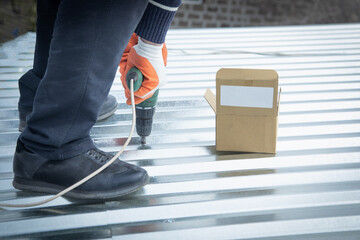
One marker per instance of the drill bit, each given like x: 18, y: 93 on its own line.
x: 143, y: 140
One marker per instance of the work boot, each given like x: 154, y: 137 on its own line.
x: 107, y: 109
x: 53, y: 176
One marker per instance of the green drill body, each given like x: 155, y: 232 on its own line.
x: 145, y: 110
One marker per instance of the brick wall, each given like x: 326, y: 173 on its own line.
x: 238, y: 13
x: 16, y: 17
x: 19, y: 16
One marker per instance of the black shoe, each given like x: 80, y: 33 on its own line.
x: 107, y: 109
x: 53, y: 176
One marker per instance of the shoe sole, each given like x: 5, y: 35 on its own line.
x: 107, y: 114
x: 42, y: 187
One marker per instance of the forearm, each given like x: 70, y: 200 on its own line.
x: 157, y: 19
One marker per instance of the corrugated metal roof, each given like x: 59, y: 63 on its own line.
x: 309, y: 190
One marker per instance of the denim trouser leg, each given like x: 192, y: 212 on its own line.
x: 89, y: 38
x: 28, y: 83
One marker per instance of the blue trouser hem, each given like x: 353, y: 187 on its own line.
x: 68, y: 151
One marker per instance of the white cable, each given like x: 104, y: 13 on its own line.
x: 92, y: 174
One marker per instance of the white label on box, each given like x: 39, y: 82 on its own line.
x: 240, y: 96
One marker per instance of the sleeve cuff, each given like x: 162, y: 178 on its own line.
x: 155, y: 22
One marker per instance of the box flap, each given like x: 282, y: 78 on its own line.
x: 247, y: 92
x: 210, y: 98
x: 278, y: 103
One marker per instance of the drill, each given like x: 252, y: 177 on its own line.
x: 145, y: 110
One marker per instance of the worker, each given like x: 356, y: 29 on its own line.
x: 79, y: 44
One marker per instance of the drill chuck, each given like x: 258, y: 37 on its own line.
x: 144, y: 120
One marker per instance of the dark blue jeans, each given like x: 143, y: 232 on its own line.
x: 78, y: 48
x: 28, y: 83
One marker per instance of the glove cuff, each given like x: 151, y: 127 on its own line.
x: 156, y: 20
x: 149, y: 51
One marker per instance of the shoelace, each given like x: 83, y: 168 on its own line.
x: 98, y: 155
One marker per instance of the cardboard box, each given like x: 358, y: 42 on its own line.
x: 247, y: 108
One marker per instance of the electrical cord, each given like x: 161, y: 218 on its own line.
x: 92, y: 174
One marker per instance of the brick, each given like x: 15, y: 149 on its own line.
x: 223, y: 2
x: 212, y: 9
x: 193, y: 16
x: 221, y: 17
x: 211, y: 25
x: 197, y: 7
x: 179, y: 14
x: 207, y: 16
x: 186, y: 7
x: 250, y: 11
x: 235, y: 11
x: 197, y: 24
x: 224, y: 10
x: 209, y: 2
x: 183, y: 23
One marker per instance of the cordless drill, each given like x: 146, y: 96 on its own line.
x: 145, y: 110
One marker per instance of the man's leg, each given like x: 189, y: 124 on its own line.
x: 88, y: 40
x: 29, y: 82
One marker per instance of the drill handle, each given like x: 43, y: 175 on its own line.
x: 137, y: 76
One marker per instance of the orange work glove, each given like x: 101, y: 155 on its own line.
x: 133, y: 41
x: 150, y: 60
